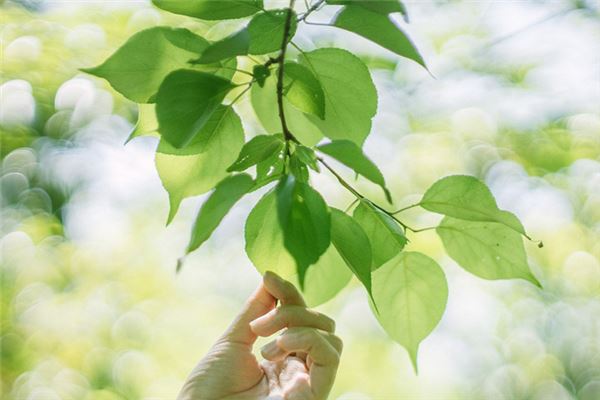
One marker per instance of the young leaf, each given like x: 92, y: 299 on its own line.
x: 350, y: 95
x: 352, y: 156
x: 466, y: 197
x: 487, y: 249
x: 411, y: 293
x: 306, y: 222
x: 352, y: 243
x: 385, y: 235
x: 298, y: 168
x: 211, y: 9
x: 264, y: 103
x: 269, y: 170
x: 307, y: 156
x: 258, y: 149
x: 378, y: 28
x: 137, y: 68
x: 266, y: 30
x: 264, y: 246
x: 185, y: 101
x: 303, y: 90
x: 185, y: 175
x: 261, y: 73
x: 146, y: 125
x: 226, y: 194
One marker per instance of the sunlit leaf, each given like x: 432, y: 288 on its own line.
x: 147, y: 124
x: 466, y: 197
x: 137, y: 68
x: 225, y: 195
x: 385, y: 235
x: 381, y: 6
x: 305, y: 220
x: 264, y: 103
x: 266, y: 31
x: 411, y: 294
x: 258, y: 149
x: 350, y: 95
x: 352, y: 243
x: 378, y: 28
x: 487, y: 249
x: 349, y: 154
x: 265, y: 248
x: 303, y: 90
x: 184, y: 175
x: 185, y: 102
x: 264, y: 34
x: 211, y: 9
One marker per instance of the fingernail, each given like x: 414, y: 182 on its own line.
x: 270, y: 350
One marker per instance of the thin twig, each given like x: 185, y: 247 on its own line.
x: 312, y: 8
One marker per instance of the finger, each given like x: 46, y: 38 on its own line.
x: 258, y: 304
x: 299, y: 389
x: 288, y: 317
x: 323, y: 348
x: 282, y: 290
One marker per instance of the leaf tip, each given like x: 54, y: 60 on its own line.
x: 412, y: 353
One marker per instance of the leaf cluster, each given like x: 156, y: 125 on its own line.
x: 314, y: 107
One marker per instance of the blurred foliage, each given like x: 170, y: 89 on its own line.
x: 91, y: 307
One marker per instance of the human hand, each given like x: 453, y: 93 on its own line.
x: 300, y: 364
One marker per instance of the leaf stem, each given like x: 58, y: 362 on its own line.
x: 239, y: 96
x: 406, y: 208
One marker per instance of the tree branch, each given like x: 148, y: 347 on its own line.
x: 288, y: 136
x: 312, y: 8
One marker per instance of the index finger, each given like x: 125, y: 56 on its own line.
x: 282, y: 290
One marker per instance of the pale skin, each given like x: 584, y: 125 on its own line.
x: 300, y: 364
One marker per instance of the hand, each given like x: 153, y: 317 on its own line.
x: 299, y: 365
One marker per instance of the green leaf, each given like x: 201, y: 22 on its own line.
x: 487, y: 249
x: 378, y: 28
x: 258, y: 149
x: 303, y: 90
x: 265, y: 248
x: 269, y: 170
x: 352, y: 156
x: 411, y: 293
x: 298, y: 169
x: 386, y: 236
x: 307, y: 156
x: 211, y: 9
x: 352, y: 243
x: 185, y: 101
x: 306, y: 222
x: 214, y: 126
x: 137, y: 68
x: 184, y: 175
x: 146, y: 125
x: 233, y: 45
x: 381, y: 6
x: 466, y: 197
x: 226, y: 194
x: 261, y: 73
x: 264, y: 34
x: 350, y: 95
x: 266, y: 31
x: 264, y: 103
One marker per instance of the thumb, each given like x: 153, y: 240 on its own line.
x: 258, y: 304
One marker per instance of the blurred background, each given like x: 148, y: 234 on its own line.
x: 91, y: 306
